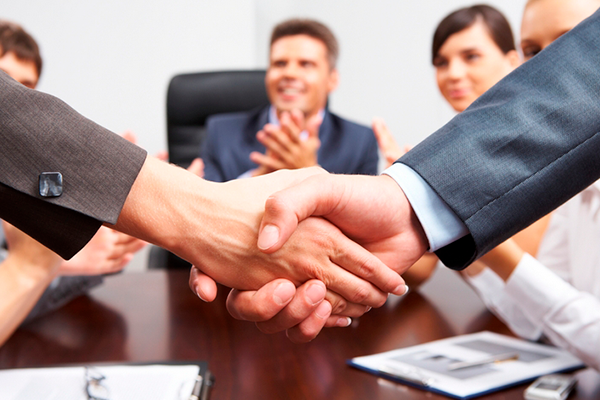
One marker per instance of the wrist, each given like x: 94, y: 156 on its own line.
x: 30, y: 270
x: 164, y: 205
x: 504, y: 258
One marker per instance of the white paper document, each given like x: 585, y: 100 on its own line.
x: 430, y: 365
x: 122, y: 382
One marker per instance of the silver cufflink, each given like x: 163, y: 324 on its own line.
x: 51, y: 184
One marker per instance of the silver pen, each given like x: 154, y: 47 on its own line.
x: 197, y: 389
x: 488, y: 360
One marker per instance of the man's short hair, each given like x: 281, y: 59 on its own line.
x: 13, y: 38
x: 311, y: 28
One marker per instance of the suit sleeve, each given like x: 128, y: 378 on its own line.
x: 40, y: 133
x: 522, y: 149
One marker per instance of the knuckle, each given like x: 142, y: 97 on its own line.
x: 274, y: 204
x: 315, y: 271
x: 360, y: 295
x: 339, y: 306
x: 367, y: 268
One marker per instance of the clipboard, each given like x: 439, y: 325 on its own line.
x: 429, y: 366
x: 184, y: 380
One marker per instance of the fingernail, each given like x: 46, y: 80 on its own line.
x: 199, y: 294
x: 315, y: 293
x: 268, y: 237
x: 343, y: 322
x: 283, y: 293
x: 400, y: 290
x: 323, y: 310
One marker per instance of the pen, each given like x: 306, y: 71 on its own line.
x: 488, y: 360
x: 209, y: 382
x: 406, y: 375
x: 197, y: 388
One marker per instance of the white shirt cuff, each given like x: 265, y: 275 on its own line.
x: 439, y: 222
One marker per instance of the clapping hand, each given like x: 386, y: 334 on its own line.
x: 292, y: 145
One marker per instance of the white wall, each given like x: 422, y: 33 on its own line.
x: 112, y: 60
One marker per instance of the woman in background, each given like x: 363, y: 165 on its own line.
x: 473, y: 48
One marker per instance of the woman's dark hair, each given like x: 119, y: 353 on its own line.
x: 494, y: 20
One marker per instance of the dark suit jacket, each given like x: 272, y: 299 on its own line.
x: 39, y: 133
x: 346, y: 147
x: 523, y: 148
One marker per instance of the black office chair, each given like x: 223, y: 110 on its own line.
x: 191, y: 99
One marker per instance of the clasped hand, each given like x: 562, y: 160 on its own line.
x: 372, y: 211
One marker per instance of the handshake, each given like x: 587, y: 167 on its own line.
x: 301, y: 249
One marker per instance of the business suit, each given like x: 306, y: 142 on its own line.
x: 346, y: 147
x: 40, y: 133
x: 523, y: 148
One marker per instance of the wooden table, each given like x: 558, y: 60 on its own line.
x: 154, y: 316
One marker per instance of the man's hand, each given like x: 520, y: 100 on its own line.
x: 285, y: 144
x: 215, y: 227
x: 108, y: 252
x: 304, y: 313
x: 371, y: 210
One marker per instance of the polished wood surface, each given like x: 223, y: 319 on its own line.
x: 154, y: 316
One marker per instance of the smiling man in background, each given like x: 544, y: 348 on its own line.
x: 296, y: 130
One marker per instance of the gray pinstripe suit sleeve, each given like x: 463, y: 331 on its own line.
x: 40, y: 133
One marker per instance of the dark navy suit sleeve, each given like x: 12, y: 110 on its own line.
x: 523, y: 148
